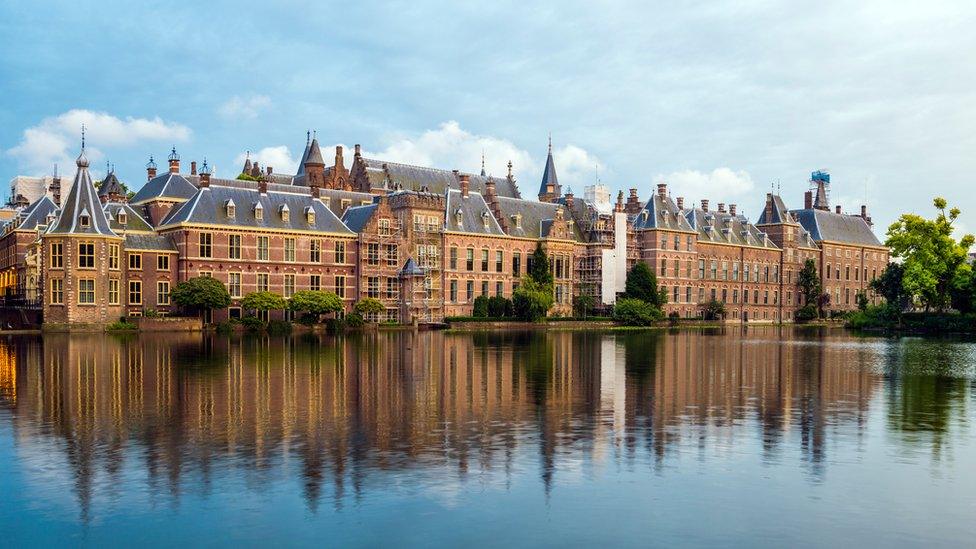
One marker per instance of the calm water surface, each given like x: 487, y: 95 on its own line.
x: 768, y: 437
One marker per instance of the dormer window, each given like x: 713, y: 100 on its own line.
x: 518, y: 220
x: 50, y: 218
x: 258, y: 211
x: 230, y: 208
x: 458, y: 217
x: 486, y: 219
x: 285, y: 212
x: 310, y: 215
x: 84, y: 220
x: 123, y: 218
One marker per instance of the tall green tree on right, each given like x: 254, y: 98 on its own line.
x: 934, y: 262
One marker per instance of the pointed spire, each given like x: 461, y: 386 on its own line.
x: 314, y: 154
x: 82, y: 161
x: 482, y: 162
x: 549, y: 189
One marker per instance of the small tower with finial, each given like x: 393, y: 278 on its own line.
x: 174, y: 161
x: 150, y: 169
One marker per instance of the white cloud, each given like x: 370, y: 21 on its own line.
x: 244, y: 107
x: 279, y: 158
x: 720, y: 185
x: 57, y: 139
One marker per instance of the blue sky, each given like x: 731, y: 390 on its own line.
x: 721, y: 100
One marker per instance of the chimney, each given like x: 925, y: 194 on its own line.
x: 174, y: 162
x: 569, y: 200
x: 204, y: 180
x: 837, y: 208
x: 808, y: 200
x: 864, y: 211
x: 315, y: 191
x: 732, y: 209
x: 465, y: 184
x: 338, y: 163
x: 263, y: 186
x: 150, y: 169
x: 662, y: 189
x: 681, y: 202
x: 269, y: 170
x: 193, y: 167
x: 704, y: 204
x: 56, y: 188
x: 358, y: 150
x: 620, y: 201
x: 721, y: 207
x: 490, y: 189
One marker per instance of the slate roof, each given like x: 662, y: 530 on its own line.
x: 661, y: 213
x: 314, y: 155
x: 149, y: 242
x: 472, y: 212
x: 111, y: 185
x: 301, y: 163
x: 410, y: 268
x: 725, y: 228
x: 549, y: 176
x: 356, y: 217
x: 36, y: 214
x: 134, y: 220
x: 536, y: 217
x: 827, y: 225
x: 168, y: 185
x: 209, y: 206
x: 437, y: 181
x: 779, y: 214
x: 81, y: 200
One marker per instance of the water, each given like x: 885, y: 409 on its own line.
x: 769, y: 437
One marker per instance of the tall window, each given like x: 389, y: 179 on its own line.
x: 340, y: 285
x: 135, y: 262
x: 372, y: 253
x: 113, y: 256
x: 289, y: 285
x: 454, y: 289
x: 162, y: 262
x: 713, y: 269
x: 315, y: 251
x: 57, y: 291
x: 263, y: 283
x: 373, y: 286
x: 315, y: 283
x: 234, y: 246
x: 340, y: 252
x: 86, y: 291
x: 469, y: 260
x: 484, y: 261
x: 453, y: 257
x: 470, y: 290
x: 384, y: 227
x: 234, y: 284
x: 499, y: 261
x: 57, y: 256
x: 206, y: 245
x: 290, y: 250
x: 135, y: 292
x: 701, y: 268
x: 263, y: 248
x: 392, y: 255
x: 86, y: 255
x: 392, y: 288
x: 517, y: 264
x: 162, y: 292
x: 113, y: 292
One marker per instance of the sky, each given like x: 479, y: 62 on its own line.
x: 721, y: 100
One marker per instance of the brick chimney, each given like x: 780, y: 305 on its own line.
x: 808, y: 200
x: 732, y: 209
x: 204, y: 180
x: 620, y: 201
x: 837, y: 208
x: 569, y: 200
x: 662, y: 189
x: 193, y: 167
x: 358, y: 150
x: 465, y: 184
x: 269, y: 170
x: 633, y: 203
x: 150, y: 169
x: 263, y: 186
x: 769, y: 207
x: 721, y: 207
x: 56, y: 187
x: 704, y: 204
x: 681, y: 202
x: 174, y: 162
x: 314, y: 190
x: 490, y: 189
x: 864, y: 211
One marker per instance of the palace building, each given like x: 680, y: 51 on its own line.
x: 425, y: 242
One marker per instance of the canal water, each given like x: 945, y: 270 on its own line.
x: 770, y: 436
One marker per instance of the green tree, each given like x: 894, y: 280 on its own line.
x: 480, y: 306
x: 583, y: 305
x: 636, y: 312
x: 889, y: 286
x: 202, y: 293
x: 934, y: 262
x: 368, y: 307
x: 314, y: 302
x: 532, y: 300
x: 539, y: 270
x: 809, y: 282
x: 499, y: 307
x: 263, y: 301
x: 712, y: 310
x: 862, y: 301
x: 642, y: 284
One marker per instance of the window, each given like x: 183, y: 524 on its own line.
x: 262, y: 248
x: 135, y: 262
x: 735, y: 296
x: 285, y: 213
x: 86, y: 255
x: 664, y: 266
x: 315, y: 283
x: 258, y: 211
x: 735, y: 270
x: 84, y: 220
x: 688, y: 294
x: 162, y: 292
x: 393, y: 255
x: 231, y: 209
x: 713, y: 270
x: 676, y: 294
x: 499, y: 261
x: 289, y: 285
x: 234, y: 246
x: 517, y: 264
x: 234, y: 284
x: 206, y: 245
x: 372, y: 253
x: 263, y: 282
x: 847, y: 272
x: 57, y: 255
x: 135, y: 292
x: 725, y: 270
x: 290, y: 250
x: 677, y: 244
x: 454, y: 291
x: 664, y: 242
x: 57, y: 291
x: 340, y: 285
x: 392, y: 287
x: 689, y: 243
x: 469, y: 260
x: 827, y: 271
x: 470, y: 290
x: 499, y: 288
x: 340, y: 252
x: 373, y: 286
x: 453, y: 257
x: 418, y: 223
x: 162, y: 262
x: 113, y: 292
x: 384, y: 227
x: 310, y: 215
x: 701, y: 268
x: 113, y: 256
x: 86, y: 291
x: 484, y: 261
x: 484, y: 287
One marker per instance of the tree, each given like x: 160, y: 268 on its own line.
x: 499, y: 307
x: 263, y: 301
x: 368, y: 307
x: 636, y: 312
x: 642, y: 284
x: 712, y: 310
x: 583, y: 305
x: 934, y: 262
x: 314, y: 303
x: 809, y: 282
x: 889, y: 286
x: 202, y: 293
x: 862, y: 301
x: 480, y: 306
x: 539, y: 269
x: 532, y: 300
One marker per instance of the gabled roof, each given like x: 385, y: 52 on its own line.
x: 134, y: 220
x: 82, y: 200
x: 356, y: 217
x: 149, y: 242
x: 536, y: 217
x: 207, y: 207
x: 549, y: 176
x: 835, y: 227
x: 169, y: 185
x: 661, y: 213
x: 725, y: 228
x: 111, y: 185
x: 779, y: 213
x: 473, y: 212
x: 385, y: 175
x: 36, y: 214
x: 410, y: 268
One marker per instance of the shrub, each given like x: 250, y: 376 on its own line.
x: 635, y: 312
x: 712, y: 310
x: 121, y: 325
x: 532, y: 300
x: 252, y: 323
x: 354, y: 320
x: 807, y: 313
x: 499, y: 307
x: 279, y: 327
x: 480, y: 306
x: 315, y: 303
x: 368, y: 306
x: 674, y: 318
x: 201, y: 293
x: 225, y: 328
x: 149, y: 312
x: 876, y: 316
x: 263, y: 301
x: 642, y: 284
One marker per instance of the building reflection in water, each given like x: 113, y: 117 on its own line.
x: 344, y: 414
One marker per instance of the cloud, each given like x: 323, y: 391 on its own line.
x: 278, y: 157
x: 244, y: 107
x: 720, y: 185
x: 56, y: 139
